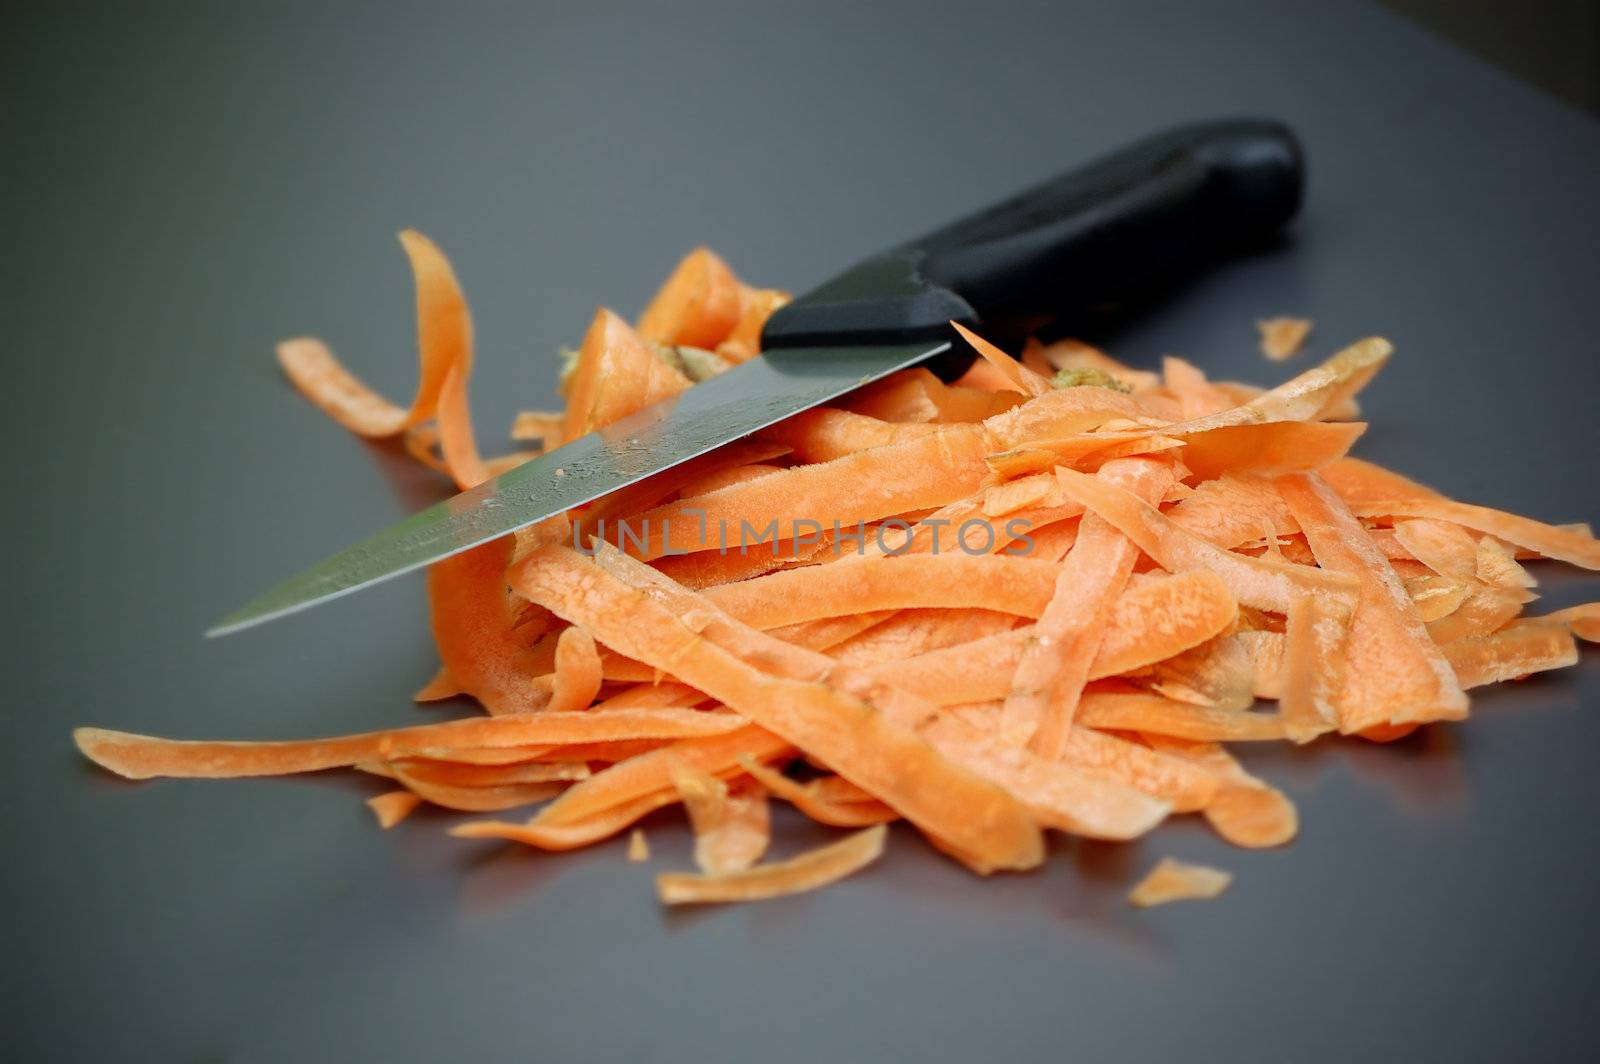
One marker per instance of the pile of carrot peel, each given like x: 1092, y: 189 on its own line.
x: 1047, y: 596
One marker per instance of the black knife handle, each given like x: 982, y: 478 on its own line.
x: 1112, y: 233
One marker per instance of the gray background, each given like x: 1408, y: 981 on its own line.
x: 186, y: 185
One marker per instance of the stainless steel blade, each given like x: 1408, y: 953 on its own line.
x: 746, y: 398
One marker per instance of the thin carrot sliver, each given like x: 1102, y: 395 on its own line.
x: 1163, y: 716
x: 1482, y: 611
x: 488, y: 798
x: 1445, y: 548
x: 638, y: 847
x: 1065, y: 412
x: 1219, y: 672
x: 1571, y: 545
x: 1394, y: 674
x: 1435, y: 596
x: 1309, y: 396
x: 1160, y: 775
x: 721, y: 478
x: 571, y: 836
x: 932, y: 470
x: 809, y: 871
x: 1021, y: 377
x: 1583, y: 621
x: 808, y: 798
x: 1496, y: 564
x: 1511, y: 653
x: 913, y: 632
x: 1266, y: 449
x: 822, y: 434
x: 144, y: 756
x: 319, y: 376
x: 627, y: 501
x: 917, y: 395
x: 465, y: 774
x: 1008, y: 584
x: 651, y: 773
x: 1313, y: 665
x: 698, y: 306
x: 578, y: 675
x: 1358, y: 481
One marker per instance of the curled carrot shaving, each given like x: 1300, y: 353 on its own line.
x: 1573, y: 545
x: 651, y: 773
x: 809, y: 799
x: 809, y: 871
x: 1445, y: 548
x: 1313, y: 664
x: 699, y: 306
x: 476, y: 631
x: 821, y: 434
x: 1021, y: 377
x: 444, y: 336
x: 1513, y: 652
x: 143, y: 756
x: 1164, y: 716
x: 1583, y: 621
x: 915, y: 395
x: 1008, y: 584
x: 482, y: 798
x: 1394, y: 673
x: 578, y: 674
x: 615, y: 375
x: 731, y: 829
x: 935, y: 469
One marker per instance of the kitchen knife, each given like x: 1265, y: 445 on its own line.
x: 1114, y: 232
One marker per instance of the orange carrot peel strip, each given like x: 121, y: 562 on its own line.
x: 1394, y: 673
x: 809, y: 871
x: 1256, y: 582
x: 143, y: 756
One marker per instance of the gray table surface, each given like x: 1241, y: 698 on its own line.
x: 185, y: 185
